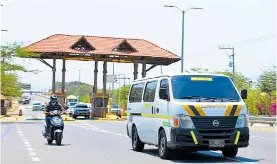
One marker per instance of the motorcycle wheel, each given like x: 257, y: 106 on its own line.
x: 59, y: 138
x: 49, y: 141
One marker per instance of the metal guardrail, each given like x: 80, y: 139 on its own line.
x: 262, y: 120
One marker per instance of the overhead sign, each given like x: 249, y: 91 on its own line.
x: 25, y: 86
x: 111, y: 79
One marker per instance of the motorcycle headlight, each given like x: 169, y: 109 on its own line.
x: 57, y: 120
x: 242, y: 121
x: 183, y: 121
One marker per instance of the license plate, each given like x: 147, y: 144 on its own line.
x: 216, y: 143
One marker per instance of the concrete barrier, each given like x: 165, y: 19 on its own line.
x: 262, y: 120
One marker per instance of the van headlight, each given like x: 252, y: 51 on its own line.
x: 183, y: 121
x: 242, y: 121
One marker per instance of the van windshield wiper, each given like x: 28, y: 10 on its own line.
x: 212, y: 98
x: 190, y: 97
x: 230, y: 99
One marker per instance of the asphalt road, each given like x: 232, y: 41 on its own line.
x: 87, y: 141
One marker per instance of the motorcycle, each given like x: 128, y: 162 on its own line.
x: 56, y: 128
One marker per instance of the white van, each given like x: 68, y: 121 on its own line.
x: 187, y: 111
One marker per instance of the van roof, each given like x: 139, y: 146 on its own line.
x: 177, y: 74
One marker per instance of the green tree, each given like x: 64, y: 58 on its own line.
x: 124, y: 91
x: 241, y: 81
x: 198, y: 70
x: 85, y: 98
x: 267, y: 84
x: 253, y: 99
x: 9, y: 78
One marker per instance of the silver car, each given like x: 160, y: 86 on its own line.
x: 37, y: 106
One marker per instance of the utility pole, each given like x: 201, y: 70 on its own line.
x: 183, y: 24
x: 79, y: 86
x: 232, y: 63
x: 2, y: 30
x: 119, y: 93
x: 113, y: 87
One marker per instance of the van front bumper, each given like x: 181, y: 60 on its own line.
x: 183, y: 139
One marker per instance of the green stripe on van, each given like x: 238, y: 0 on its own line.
x: 166, y: 124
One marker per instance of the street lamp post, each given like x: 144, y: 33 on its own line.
x: 79, y: 86
x: 183, y: 24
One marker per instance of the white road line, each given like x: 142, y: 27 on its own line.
x: 28, y: 145
x: 30, y: 149
x: 263, y: 137
x: 257, y: 137
x: 36, y: 159
x: 102, y: 130
x: 118, y: 134
x: 32, y: 154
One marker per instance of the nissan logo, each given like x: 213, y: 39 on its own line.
x: 215, y: 123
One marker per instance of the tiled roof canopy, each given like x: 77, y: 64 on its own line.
x: 79, y: 47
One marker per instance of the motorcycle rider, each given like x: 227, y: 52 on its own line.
x: 52, y: 105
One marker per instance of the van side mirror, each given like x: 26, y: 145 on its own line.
x: 243, y: 94
x: 164, y: 94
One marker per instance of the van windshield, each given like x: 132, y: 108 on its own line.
x: 72, y: 104
x: 203, y: 87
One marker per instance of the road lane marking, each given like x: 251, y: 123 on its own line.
x: 257, y: 137
x: 102, y: 130
x: 263, y: 137
x: 30, y: 149
x: 7, y: 131
x: 32, y: 154
x: 36, y: 159
x: 118, y: 134
x: 27, y: 144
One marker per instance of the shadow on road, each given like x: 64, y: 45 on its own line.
x: 199, y: 157
x: 54, y: 144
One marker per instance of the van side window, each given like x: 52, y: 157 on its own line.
x: 163, y: 90
x: 150, y: 90
x: 136, y: 93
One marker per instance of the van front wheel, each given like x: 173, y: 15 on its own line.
x: 136, y: 142
x: 164, y: 151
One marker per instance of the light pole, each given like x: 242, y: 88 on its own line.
x: 79, y: 86
x: 183, y: 24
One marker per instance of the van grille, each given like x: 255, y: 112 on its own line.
x: 206, y: 122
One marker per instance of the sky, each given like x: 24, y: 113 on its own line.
x: 249, y: 26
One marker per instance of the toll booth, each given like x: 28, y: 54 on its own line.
x: 101, y: 105
x: 61, y: 97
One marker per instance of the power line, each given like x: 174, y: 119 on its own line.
x: 237, y: 44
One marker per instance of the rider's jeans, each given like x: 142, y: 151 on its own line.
x: 48, y: 122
